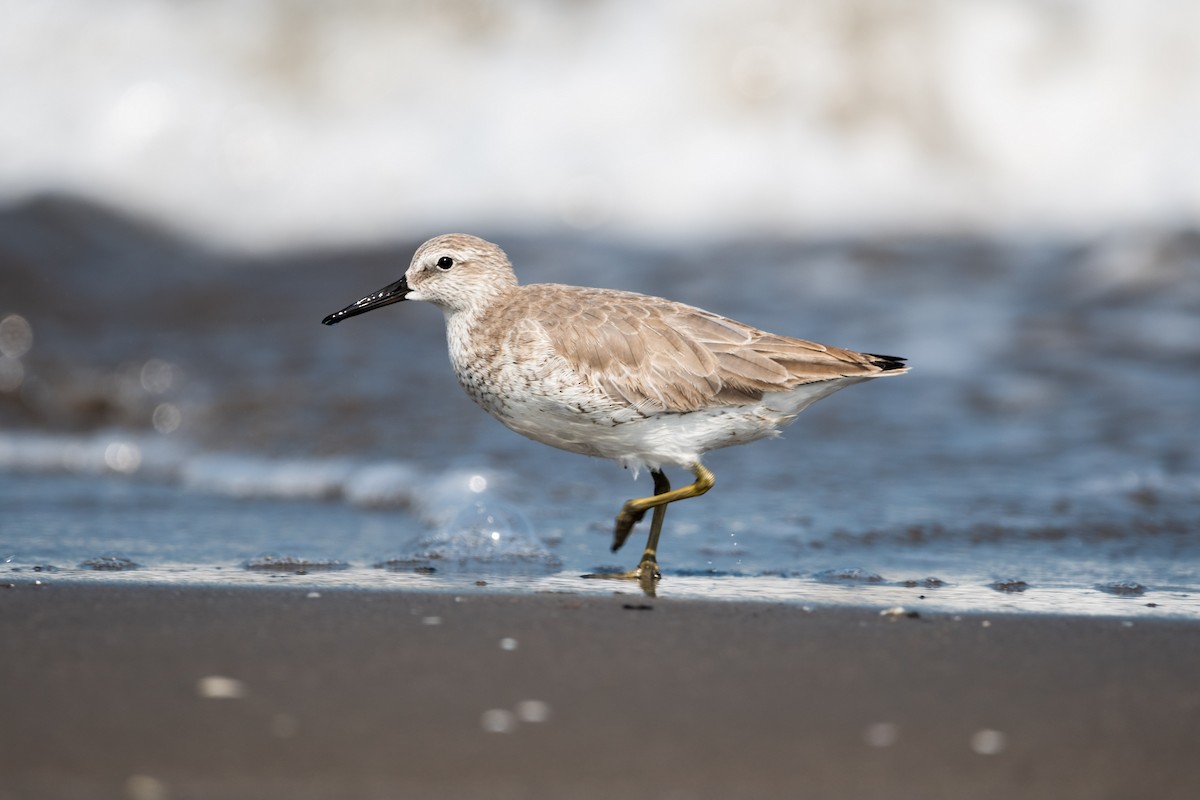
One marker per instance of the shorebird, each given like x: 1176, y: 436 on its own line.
x: 643, y: 381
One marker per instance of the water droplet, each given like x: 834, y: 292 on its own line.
x: 157, y: 376
x: 144, y: 787
x: 988, y: 742
x: 498, y: 720
x: 508, y: 643
x: 220, y: 688
x: 489, y: 532
x: 16, y: 336
x: 431, y: 620
x: 123, y: 457
x: 166, y: 418
x: 533, y: 711
x: 881, y: 734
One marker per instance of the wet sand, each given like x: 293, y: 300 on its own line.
x: 391, y: 694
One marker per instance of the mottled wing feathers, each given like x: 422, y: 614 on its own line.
x: 656, y: 355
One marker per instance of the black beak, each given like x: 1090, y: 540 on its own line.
x: 392, y: 293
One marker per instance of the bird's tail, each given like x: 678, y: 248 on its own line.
x: 888, y: 363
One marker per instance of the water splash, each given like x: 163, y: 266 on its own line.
x: 490, y: 532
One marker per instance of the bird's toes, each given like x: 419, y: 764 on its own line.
x: 625, y: 522
x: 648, y: 570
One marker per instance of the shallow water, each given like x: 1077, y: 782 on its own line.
x: 187, y: 412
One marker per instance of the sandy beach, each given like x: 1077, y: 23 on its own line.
x: 156, y: 692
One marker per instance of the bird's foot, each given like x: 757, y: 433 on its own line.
x: 628, y: 517
x: 646, y: 571
x: 646, y: 574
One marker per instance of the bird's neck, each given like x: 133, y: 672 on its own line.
x: 462, y: 321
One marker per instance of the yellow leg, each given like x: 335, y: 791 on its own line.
x: 634, y: 510
x: 661, y: 487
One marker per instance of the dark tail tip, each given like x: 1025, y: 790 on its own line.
x: 887, y: 363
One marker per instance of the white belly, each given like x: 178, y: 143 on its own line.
x: 564, y: 416
x: 639, y: 441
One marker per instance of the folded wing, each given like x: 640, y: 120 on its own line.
x: 656, y: 355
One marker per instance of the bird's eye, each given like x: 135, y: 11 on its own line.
x: 445, y: 263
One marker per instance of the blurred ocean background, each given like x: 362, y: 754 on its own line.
x: 1007, y: 193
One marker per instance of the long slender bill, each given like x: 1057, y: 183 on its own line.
x: 392, y: 293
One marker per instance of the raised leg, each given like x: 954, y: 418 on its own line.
x: 634, y: 510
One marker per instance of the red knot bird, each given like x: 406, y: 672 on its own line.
x: 641, y: 380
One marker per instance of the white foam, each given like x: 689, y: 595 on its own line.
x: 436, y: 496
x: 246, y: 476
x: 282, y: 124
x: 381, y: 485
x: 96, y: 453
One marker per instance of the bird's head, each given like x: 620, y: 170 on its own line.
x: 454, y: 271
